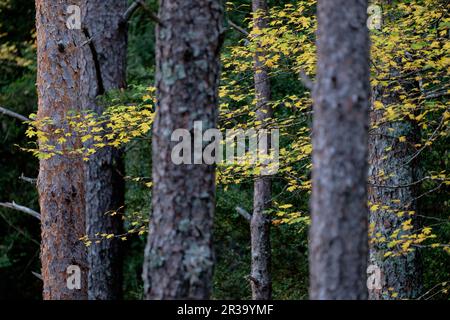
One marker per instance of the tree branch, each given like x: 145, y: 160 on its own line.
x: 435, y: 132
x: 26, y: 179
x: 13, y: 114
x: 254, y: 280
x: 13, y: 205
x: 139, y: 4
x: 238, y: 28
x: 434, y: 95
x: 131, y: 9
x: 244, y: 213
x: 400, y: 186
x: 37, y: 275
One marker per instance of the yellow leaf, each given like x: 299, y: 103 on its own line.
x: 378, y: 105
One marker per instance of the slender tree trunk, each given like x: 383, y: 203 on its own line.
x: 390, y: 184
x: 260, y: 222
x: 338, y: 235
x: 105, y: 71
x: 61, y: 180
x: 179, y: 257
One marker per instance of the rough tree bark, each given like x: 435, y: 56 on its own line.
x: 179, y: 256
x: 105, y: 70
x: 391, y: 177
x: 61, y: 178
x: 261, y: 281
x: 401, y: 274
x: 338, y: 235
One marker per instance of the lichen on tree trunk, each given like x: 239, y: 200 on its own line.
x: 179, y: 256
x: 338, y: 236
x: 391, y: 177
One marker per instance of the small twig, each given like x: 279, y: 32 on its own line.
x: 150, y: 13
x: 244, y: 213
x: 26, y: 179
x: 13, y: 205
x: 134, y: 6
x: 238, y: 28
x: 435, y: 95
x: 37, y: 275
x: 89, y: 39
x: 131, y: 9
x: 13, y: 114
x: 429, y: 291
x: 435, y: 132
x: 400, y: 186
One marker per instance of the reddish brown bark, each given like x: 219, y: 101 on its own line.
x: 61, y: 180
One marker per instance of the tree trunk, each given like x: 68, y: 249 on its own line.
x: 338, y: 235
x: 61, y: 180
x: 260, y: 223
x: 390, y: 184
x: 179, y: 257
x: 105, y: 71
x: 400, y: 274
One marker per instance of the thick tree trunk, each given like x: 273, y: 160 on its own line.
x: 401, y: 274
x: 390, y: 184
x: 260, y: 223
x: 105, y: 70
x: 338, y: 235
x: 179, y: 257
x: 61, y: 180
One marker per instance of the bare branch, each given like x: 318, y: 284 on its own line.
x: 13, y: 114
x: 26, y: 179
x: 13, y: 205
x: 244, y: 213
x: 438, y: 94
x: 435, y: 133
x: 37, y: 275
x: 139, y: 4
x: 131, y: 9
x: 238, y: 28
x: 151, y: 14
x: 400, y: 186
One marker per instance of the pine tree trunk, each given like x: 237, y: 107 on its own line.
x: 338, y: 235
x: 105, y: 71
x: 401, y: 274
x: 61, y: 180
x: 260, y: 223
x: 179, y: 257
x: 390, y: 184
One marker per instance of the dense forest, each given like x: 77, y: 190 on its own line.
x: 208, y: 149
